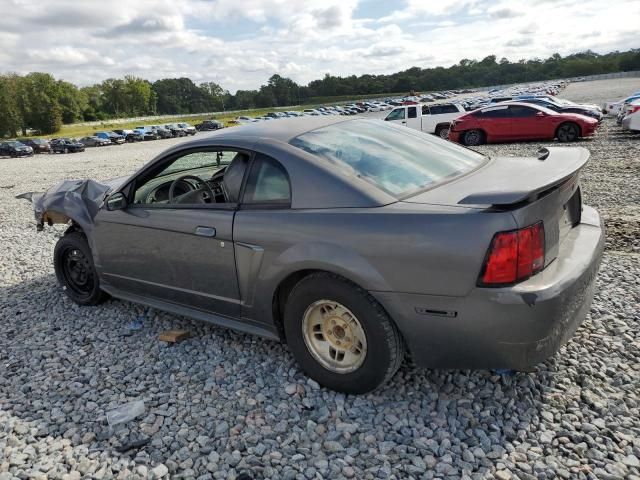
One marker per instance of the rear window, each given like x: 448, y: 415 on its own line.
x: 398, y: 160
x: 493, y: 112
x: 440, y: 109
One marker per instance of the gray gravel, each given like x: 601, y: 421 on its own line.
x: 222, y: 403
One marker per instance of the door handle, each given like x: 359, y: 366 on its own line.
x: 404, y: 122
x: 206, y: 231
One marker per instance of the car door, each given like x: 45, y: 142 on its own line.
x: 413, y: 119
x: 526, y: 123
x: 495, y: 122
x: 180, y: 253
x: 397, y: 115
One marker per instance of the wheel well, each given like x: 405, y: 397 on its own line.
x: 285, y: 287
x: 74, y: 227
x: 280, y: 297
x: 443, y: 125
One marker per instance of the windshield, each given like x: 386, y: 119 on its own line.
x: 206, y: 159
x: 396, y: 159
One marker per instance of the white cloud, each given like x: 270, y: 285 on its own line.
x: 240, y: 43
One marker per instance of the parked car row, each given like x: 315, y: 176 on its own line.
x: 515, y: 114
x: 627, y: 111
x: 29, y: 146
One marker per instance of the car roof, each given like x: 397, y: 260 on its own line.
x: 521, y: 104
x: 282, y: 130
x: 315, y: 182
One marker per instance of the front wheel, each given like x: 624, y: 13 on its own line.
x: 568, y: 132
x: 340, y: 335
x: 75, y: 271
x: 473, y: 137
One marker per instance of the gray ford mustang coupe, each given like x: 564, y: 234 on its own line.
x: 350, y: 240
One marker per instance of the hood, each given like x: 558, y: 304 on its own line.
x: 115, y: 183
x: 77, y: 200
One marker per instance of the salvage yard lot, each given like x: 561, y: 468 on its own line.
x: 222, y: 402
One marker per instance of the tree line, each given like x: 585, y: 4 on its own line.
x: 38, y: 101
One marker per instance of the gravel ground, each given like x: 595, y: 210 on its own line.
x: 222, y: 403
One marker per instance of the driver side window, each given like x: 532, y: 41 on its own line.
x: 397, y: 114
x: 192, y: 178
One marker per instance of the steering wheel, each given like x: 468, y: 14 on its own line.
x: 202, y: 187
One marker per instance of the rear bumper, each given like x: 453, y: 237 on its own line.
x: 631, y: 123
x: 515, y: 327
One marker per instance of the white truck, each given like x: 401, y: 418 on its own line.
x: 434, y: 118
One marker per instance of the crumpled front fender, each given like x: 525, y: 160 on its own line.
x: 76, y: 200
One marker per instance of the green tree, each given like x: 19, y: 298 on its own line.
x: 40, y: 109
x: 137, y: 96
x: 218, y: 95
x: 114, y: 98
x: 72, y: 102
x: 10, y: 115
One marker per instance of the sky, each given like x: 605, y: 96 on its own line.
x: 241, y: 43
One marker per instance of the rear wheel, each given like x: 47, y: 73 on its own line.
x: 568, y: 132
x: 75, y: 271
x: 340, y: 335
x: 473, y: 137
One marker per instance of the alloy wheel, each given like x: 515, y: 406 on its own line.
x: 334, y: 336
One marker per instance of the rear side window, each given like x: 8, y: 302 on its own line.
x: 495, y: 112
x: 268, y: 182
x: 413, y: 112
x: 519, y: 111
x: 440, y: 109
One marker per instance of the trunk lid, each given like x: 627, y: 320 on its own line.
x: 532, y: 189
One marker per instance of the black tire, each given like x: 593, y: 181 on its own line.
x: 473, y: 137
x: 75, y: 271
x: 442, y: 131
x: 385, y: 347
x: 568, y: 132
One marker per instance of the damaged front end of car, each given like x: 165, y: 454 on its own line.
x: 76, y: 201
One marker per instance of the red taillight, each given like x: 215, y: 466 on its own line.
x: 514, y: 256
x: 634, y: 108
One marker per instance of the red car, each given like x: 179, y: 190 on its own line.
x: 511, y: 121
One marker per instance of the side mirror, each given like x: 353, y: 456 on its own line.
x: 117, y: 201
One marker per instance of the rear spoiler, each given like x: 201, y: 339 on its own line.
x: 519, y: 180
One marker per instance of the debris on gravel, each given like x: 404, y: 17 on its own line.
x: 221, y: 404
